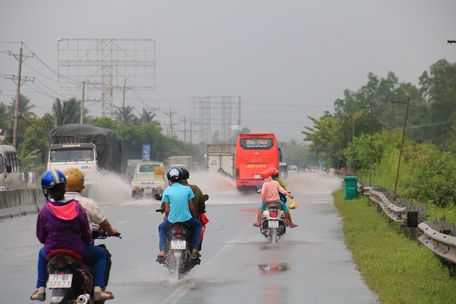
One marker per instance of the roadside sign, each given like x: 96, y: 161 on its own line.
x: 146, y: 152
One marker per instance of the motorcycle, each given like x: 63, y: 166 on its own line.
x: 70, y: 281
x: 273, y: 222
x: 179, y: 259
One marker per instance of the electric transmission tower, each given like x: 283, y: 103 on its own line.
x: 218, y: 117
x: 111, y: 62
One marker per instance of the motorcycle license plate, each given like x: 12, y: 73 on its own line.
x: 273, y: 224
x: 60, y: 280
x: 178, y: 244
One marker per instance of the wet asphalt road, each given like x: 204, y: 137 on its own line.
x: 310, y: 264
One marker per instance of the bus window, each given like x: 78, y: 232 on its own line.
x: 15, y: 162
x: 256, y: 143
x: 8, y: 164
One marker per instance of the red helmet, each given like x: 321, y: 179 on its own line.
x: 274, y: 171
x: 265, y: 173
x: 268, y: 172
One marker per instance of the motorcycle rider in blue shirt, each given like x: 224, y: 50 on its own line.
x: 178, y: 208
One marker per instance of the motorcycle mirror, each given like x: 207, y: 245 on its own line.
x: 158, y: 197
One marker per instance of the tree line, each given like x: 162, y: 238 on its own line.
x: 133, y: 129
x: 364, y: 133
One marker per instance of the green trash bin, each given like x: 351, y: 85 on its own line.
x: 351, y: 187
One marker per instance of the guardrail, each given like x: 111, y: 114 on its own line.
x: 441, y: 244
x: 437, y: 236
x: 395, y: 213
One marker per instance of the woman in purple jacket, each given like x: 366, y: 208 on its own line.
x: 63, y: 224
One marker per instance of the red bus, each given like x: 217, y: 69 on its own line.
x: 255, y: 152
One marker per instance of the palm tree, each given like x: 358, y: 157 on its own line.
x: 66, y: 112
x: 147, y: 117
x: 124, y: 115
x: 25, y: 107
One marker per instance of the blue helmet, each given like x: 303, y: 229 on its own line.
x: 174, y: 174
x: 51, y: 178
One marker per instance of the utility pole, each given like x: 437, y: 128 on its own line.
x: 81, y: 120
x: 18, y: 96
x: 370, y: 151
x: 191, y: 131
x: 185, y: 128
x: 171, y: 126
x: 20, y: 59
x: 124, y: 89
x: 402, y: 143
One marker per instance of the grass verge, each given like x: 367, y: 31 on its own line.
x: 399, y: 270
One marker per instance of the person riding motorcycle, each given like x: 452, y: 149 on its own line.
x: 283, y: 198
x: 199, y: 202
x: 178, y: 208
x: 63, y: 224
x: 97, y: 219
x: 270, y: 194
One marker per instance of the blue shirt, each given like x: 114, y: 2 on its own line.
x: 178, y: 195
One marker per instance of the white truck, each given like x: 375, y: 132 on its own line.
x: 148, y: 179
x: 85, y: 147
x: 185, y: 161
x: 220, y: 159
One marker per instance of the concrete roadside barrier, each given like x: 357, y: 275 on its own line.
x: 20, y: 202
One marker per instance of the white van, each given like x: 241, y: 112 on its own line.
x: 10, y: 176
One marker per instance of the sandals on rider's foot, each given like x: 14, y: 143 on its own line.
x: 293, y: 226
x: 38, y: 295
x: 161, y: 259
x: 256, y: 224
x: 102, y: 295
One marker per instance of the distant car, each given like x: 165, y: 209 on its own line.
x: 292, y: 169
x: 148, y: 179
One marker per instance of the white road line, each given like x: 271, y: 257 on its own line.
x: 23, y: 254
x: 182, y: 290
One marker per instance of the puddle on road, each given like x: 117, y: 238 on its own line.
x: 273, y: 268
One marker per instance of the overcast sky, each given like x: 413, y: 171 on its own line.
x: 286, y: 59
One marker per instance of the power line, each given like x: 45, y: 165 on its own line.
x: 10, y: 42
x: 40, y: 91
x: 39, y: 73
x: 47, y: 65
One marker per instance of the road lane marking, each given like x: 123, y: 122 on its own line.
x: 122, y: 222
x: 182, y: 290
x: 27, y: 253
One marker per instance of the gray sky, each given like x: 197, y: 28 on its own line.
x: 286, y: 59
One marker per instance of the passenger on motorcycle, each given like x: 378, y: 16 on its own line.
x: 62, y: 224
x: 74, y: 187
x: 199, y: 202
x: 270, y: 194
x: 178, y: 208
x: 97, y: 219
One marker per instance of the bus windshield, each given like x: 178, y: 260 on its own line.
x: 71, y: 155
x: 256, y: 143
